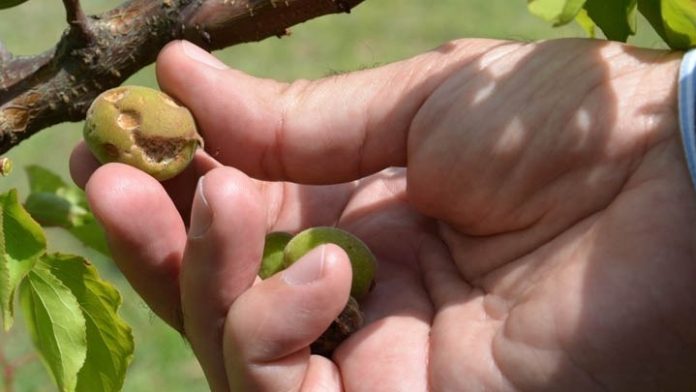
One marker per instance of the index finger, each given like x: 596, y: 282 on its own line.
x: 332, y: 130
x: 180, y: 188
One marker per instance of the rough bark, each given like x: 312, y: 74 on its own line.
x: 98, y: 52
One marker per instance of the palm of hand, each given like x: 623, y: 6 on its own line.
x: 563, y: 267
x: 542, y: 245
x: 598, y: 303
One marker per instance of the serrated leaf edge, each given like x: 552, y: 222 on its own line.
x: 69, y: 385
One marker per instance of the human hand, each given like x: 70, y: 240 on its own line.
x: 538, y: 235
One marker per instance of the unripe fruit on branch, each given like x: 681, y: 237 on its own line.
x: 361, y: 258
x: 144, y: 128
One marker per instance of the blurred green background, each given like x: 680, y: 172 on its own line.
x: 376, y: 32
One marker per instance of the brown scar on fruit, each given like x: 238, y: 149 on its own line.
x: 159, y: 149
x: 111, y: 150
x: 144, y: 128
x: 128, y: 120
x: 114, y: 95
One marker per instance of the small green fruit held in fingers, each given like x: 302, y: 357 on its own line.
x: 361, y: 258
x: 272, y: 261
x: 144, y: 128
x: 281, y: 249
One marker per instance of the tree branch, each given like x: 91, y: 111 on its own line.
x: 100, y: 52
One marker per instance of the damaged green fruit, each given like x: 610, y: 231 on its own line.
x: 144, y: 128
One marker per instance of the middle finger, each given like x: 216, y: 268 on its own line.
x: 221, y: 260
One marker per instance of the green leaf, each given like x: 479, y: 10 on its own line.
x: 54, y: 203
x: 584, y: 20
x: 91, y: 234
x: 51, y: 209
x: 679, y: 21
x: 56, y: 324
x: 22, y: 241
x: 43, y: 180
x: 109, y: 339
x: 651, y: 9
x: 616, y: 18
x: 559, y: 12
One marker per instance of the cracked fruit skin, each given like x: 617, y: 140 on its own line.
x: 144, y: 128
x: 361, y: 258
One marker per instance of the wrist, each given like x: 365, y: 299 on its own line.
x: 687, y: 111
x: 655, y: 108
x: 645, y: 83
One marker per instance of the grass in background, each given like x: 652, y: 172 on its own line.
x: 377, y: 32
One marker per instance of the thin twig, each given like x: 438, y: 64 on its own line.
x: 78, y: 21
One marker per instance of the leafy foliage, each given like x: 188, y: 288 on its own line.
x: 673, y: 20
x: 616, y: 18
x: 54, y: 203
x: 679, y: 18
x: 56, y: 324
x: 109, y: 339
x: 71, y: 314
x: 21, y: 243
x: 559, y: 12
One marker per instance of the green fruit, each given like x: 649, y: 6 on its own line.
x: 10, y: 3
x: 273, y: 253
x: 361, y: 258
x: 143, y: 128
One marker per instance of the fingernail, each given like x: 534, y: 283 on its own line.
x: 307, y: 269
x: 201, y: 216
x: 198, y: 54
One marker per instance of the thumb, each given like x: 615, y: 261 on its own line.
x: 270, y: 327
x: 332, y: 130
